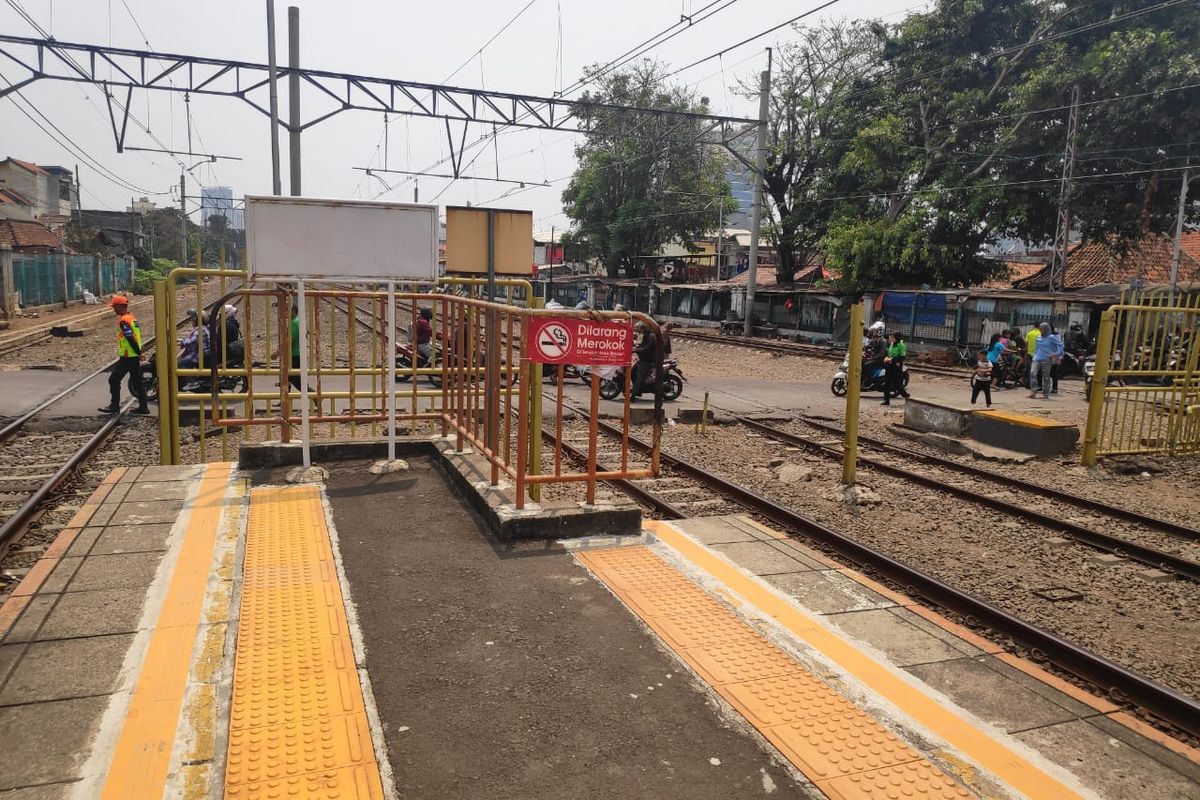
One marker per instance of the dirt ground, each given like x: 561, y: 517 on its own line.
x: 511, y: 673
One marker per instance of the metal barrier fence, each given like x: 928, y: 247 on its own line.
x: 50, y: 278
x: 363, y: 380
x: 1144, y: 396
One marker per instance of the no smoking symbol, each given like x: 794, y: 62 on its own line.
x: 554, y: 341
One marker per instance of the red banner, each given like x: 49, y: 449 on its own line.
x: 584, y: 342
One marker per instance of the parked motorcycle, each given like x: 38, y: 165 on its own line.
x: 612, y: 381
x: 1089, y: 370
x: 876, y: 381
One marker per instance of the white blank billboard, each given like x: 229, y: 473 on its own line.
x: 305, y: 238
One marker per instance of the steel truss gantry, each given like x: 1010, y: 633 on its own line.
x: 119, y: 71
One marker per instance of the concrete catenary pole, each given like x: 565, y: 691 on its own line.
x: 276, y: 181
x: 183, y: 248
x: 760, y: 164
x: 294, y: 96
x: 1183, y: 192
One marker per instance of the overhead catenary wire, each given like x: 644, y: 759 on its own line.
x: 636, y: 50
x: 69, y: 144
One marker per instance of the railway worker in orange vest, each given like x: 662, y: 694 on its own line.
x: 129, y: 359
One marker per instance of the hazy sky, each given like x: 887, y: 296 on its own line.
x: 413, y: 41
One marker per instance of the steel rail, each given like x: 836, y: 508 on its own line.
x: 1108, y: 676
x: 1086, y: 503
x: 797, y: 349
x: 1101, y: 541
x: 11, y: 429
x: 15, y: 526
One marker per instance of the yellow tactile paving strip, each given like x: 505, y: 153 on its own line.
x: 298, y: 725
x: 845, y: 752
x: 969, y: 740
x: 142, y: 757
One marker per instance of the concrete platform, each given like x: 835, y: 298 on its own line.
x: 199, y: 633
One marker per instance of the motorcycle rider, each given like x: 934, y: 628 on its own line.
x: 873, y: 356
x: 1077, y: 341
x: 645, y: 359
x: 423, y: 334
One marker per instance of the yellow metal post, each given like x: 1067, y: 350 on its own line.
x: 853, y: 384
x: 1091, y: 434
x: 702, y: 425
x: 534, y: 376
x: 162, y: 367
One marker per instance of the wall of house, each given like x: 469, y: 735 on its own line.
x: 27, y: 183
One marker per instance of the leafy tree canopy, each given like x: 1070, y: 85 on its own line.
x: 642, y: 180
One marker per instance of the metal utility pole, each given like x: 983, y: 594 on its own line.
x: 294, y: 95
x: 276, y: 182
x: 1062, y: 240
x: 760, y: 165
x: 1183, y: 191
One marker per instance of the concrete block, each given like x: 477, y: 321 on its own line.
x: 1055, y: 542
x: 692, y: 416
x: 1024, y: 433
x: 925, y: 415
x: 1154, y: 575
x: 1107, y: 559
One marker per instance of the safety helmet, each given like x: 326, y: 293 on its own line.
x: 119, y: 300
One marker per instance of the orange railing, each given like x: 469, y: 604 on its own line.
x: 358, y: 371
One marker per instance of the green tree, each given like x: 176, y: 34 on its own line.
x: 1148, y: 136
x: 919, y: 211
x: 807, y: 128
x: 963, y: 132
x: 642, y: 180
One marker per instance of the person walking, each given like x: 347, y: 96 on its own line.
x: 129, y: 359
x: 894, y: 366
x: 294, y: 335
x: 981, y: 379
x: 1049, y: 350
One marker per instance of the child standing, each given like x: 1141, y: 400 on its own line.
x: 981, y: 379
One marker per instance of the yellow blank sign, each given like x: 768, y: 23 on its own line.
x: 466, y: 240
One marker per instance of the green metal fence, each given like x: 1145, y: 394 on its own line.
x: 40, y: 279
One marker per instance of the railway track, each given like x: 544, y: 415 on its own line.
x: 797, y: 349
x: 35, y: 467
x: 1011, y: 503
x: 687, y: 479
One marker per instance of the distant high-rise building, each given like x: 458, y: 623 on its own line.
x: 743, y: 192
x: 219, y: 200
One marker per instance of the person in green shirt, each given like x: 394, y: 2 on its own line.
x: 1031, y: 340
x: 894, y: 368
x: 294, y: 372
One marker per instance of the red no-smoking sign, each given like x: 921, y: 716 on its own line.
x: 580, y: 341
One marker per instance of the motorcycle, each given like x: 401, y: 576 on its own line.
x: 404, y: 363
x: 1089, y: 371
x: 612, y: 381
x: 875, y: 382
x: 235, y: 359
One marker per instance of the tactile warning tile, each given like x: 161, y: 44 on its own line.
x: 298, y: 725
x: 845, y: 751
x: 906, y: 781
x: 786, y: 699
x: 840, y: 745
